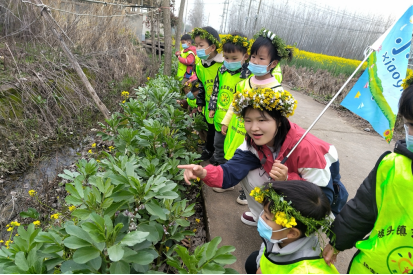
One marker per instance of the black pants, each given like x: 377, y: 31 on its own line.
x: 251, y: 263
x: 209, y: 145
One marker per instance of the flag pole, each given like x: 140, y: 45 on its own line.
x: 328, y: 105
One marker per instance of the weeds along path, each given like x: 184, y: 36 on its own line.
x: 124, y: 208
x: 42, y: 100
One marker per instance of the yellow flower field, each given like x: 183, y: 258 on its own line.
x: 333, y: 64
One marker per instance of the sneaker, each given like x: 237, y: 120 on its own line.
x: 220, y: 190
x: 213, y: 161
x: 205, y: 155
x: 242, y: 199
x: 249, y: 219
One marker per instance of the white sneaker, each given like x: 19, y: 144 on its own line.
x: 241, y: 198
x: 249, y: 219
x: 220, y: 190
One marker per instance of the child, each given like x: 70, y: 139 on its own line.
x: 270, y: 137
x: 190, y: 91
x: 382, y: 208
x: 235, y: 48
x: 293, y: 213
x: 206, y: 68
x: 186, y: 59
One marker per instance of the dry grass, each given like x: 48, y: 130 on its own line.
x: 41, y: 97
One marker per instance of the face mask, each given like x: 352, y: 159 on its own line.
x: 232, y: 66
x: 258, y: 70
x: 201, y: 53
x: 266, y: 231
x: 190, y: 95
x: 185, y: 46
x: 409, y: 139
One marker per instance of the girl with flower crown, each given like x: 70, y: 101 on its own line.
x: 270, y: 136
x: 294, y: 211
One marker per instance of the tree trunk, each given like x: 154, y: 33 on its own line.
x: 180, y: 26
x: 158, y: 23
x: 46, y: 14
x: 153, y: 35
x: 167, y: 37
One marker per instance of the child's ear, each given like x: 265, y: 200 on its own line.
x: 274, y: 64
x: 246, y: 57
x: 213, y: 47
x: 294, y: 233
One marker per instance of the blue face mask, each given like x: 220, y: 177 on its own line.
x: 409, y: 139
x: 185, y: 46
x: 232, y: 66
x: 190, y: 95
x: 201, y: 53
x: 258, y: 70
x: 266, y: 231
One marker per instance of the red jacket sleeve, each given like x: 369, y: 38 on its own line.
x: 214, y: 177
x: 189, y: 60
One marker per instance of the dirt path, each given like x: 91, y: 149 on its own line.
x: 358, y: 152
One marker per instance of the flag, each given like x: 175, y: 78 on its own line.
x: 376, y: 94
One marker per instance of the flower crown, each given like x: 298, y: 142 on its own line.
x: 282, y: 49
x: 286, y: 215
x: 408, y: 80
x: 267, y: 99
x: 237, y: 40
x: 204, y: 35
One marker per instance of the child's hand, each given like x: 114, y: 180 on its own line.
x: 192, y: 172
x: 188, y: 82
x: 177, y: 53
x: 200, y: 109
x: 259, y: 271
x: 224, y: 129
x: 330, y: 254
x: 211, y: 113
x: 279, y: 171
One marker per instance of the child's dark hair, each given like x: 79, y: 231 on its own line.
x: 282, y: 124
x: 266, y: 42
x: 305, y: 197
x: 406, y: 103
x: 213, y: 32
x: 186, y: 37
x: 232, y: 48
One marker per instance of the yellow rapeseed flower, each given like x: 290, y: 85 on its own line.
x: 1, y: 241
x: 194, y: 230
x: 32, y: 193
x: 71, y: 208
x: 15, y: 224
x: 198, y: 220
x: 166, y: 248
x: 10, y: 229
x: 37, y: 223
x: 94, y: 145
x: 55, y: 216
x: 16, y: 235
x: 90, y: 151
x: 149, y: 78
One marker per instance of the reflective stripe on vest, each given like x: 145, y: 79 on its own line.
x: 227, y: 83
x: 305, y: 266
x: 389, y: 248
x: 207, y: 77
x: 182, y: 67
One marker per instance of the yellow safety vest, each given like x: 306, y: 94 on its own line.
x: 389, y: 248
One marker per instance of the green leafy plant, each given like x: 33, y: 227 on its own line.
x: 125, y: 211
